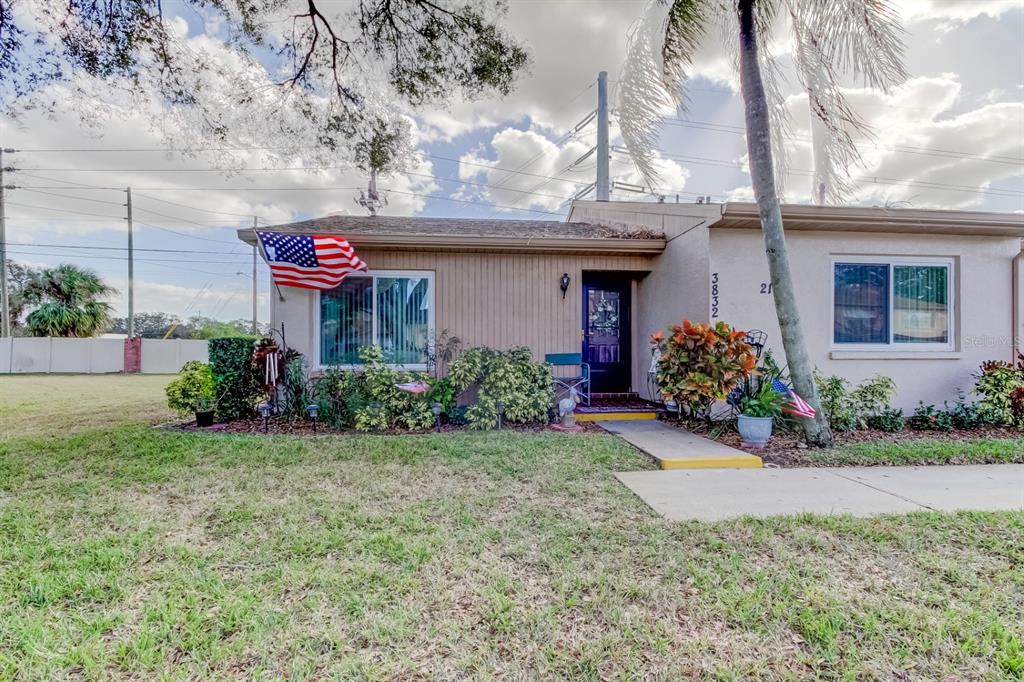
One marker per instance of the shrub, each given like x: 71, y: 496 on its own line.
x: 927, y: 418
x: 236, y: 377
x: 872, y: 397
x: 524, y: 386
x: 995, y: 382
x: 192, y: 390
x: 701, y: 363
x: 340, y: 395
x: 389, y: 407
x: 846, y: 409
x: 442, y: 391
x: 836, y: 402
x: 967, y: 415
x: 887, y: 420
x: 1017, y: 405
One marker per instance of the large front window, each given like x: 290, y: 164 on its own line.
x: 392, y: 310
x: 893, y: 302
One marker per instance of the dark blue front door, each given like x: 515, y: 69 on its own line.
x: 606, y: 331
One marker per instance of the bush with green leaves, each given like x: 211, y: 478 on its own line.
x: 236, y: 377
x: 995, y: 383
x: 390, y: 407
x: 525, y: 387
x: 848, y: 409
x: 193, y: 389
x: 928, y: 418
x: 341, y: 394
x: 887, y: 420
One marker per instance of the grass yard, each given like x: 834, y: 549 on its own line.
x: 130, y: 553
x: 921, y: 451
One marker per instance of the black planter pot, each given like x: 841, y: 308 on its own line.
x: 204, y: 418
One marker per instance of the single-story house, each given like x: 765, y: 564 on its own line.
x: 922, y: 296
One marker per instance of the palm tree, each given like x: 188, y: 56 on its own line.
x: 832, y: 37
x: 67, y: 302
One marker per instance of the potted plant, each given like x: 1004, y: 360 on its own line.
x: 205, y: 406
x: 757, y: 415
x: 193, y: 392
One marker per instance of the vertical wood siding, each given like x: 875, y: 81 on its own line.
x: 505, y: 300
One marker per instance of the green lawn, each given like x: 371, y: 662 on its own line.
x: 923, y: 451
x: 132, y: 553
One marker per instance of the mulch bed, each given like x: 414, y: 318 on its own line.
x: 789, y: 449
x: 301, y: 427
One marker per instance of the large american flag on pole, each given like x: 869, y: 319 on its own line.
x: 309, y: 261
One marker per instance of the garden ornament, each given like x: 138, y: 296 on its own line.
x: 567, y: 408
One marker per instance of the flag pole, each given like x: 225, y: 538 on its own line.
x: 263, y: 253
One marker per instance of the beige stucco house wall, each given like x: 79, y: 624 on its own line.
x: 715, y: 268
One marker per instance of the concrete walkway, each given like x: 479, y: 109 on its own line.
x: 711, y: 495
x: 678, y: 449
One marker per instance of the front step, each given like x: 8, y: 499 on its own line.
x: 618, y: 416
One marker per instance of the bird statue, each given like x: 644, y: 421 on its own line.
x: 567, y: 408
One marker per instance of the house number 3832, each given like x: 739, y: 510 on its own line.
x: 714, y: 294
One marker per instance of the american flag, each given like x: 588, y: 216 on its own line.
x: 795, y: 405
x: 315, y: 261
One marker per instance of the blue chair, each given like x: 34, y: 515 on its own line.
x: 578, y: 379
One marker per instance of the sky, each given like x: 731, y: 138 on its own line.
x: 951, y: 137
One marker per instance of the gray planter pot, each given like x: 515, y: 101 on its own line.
x: 755, y: 431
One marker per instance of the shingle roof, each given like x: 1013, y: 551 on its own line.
x: 398, y: 225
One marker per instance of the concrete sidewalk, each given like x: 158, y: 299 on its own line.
x: 674, y: 448
x: 714, y: 494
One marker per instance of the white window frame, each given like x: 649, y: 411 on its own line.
x: 892, y: 262
x: 374, y: 338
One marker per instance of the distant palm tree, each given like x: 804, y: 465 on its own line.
x: 858, y: 37
x: 67, y: 302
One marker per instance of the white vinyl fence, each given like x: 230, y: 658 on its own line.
x: 22, y: 355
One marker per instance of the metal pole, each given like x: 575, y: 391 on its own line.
x: 5, y: 326
x: 131, y: 268
x: 255, y: 225
x: 602, y: 136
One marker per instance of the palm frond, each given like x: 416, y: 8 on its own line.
x: 862, y: 38
x: 833, y: 38
x: 642, y: 97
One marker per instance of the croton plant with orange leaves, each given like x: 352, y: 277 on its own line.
x: 701, y: 363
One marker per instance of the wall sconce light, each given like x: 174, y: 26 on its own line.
x: 563, y: 284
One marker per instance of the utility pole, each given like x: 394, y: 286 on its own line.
x: 602, y: 136
x: 255, y: 225
x: 5, y: 308
x: 131, y: 268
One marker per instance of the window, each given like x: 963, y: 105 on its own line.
x: 393, y: 310
x: 905, y: 302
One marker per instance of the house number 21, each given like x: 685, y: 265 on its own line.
x: 766, y: 287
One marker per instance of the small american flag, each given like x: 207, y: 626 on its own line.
x: 796, y: 405
x: 315, y: 261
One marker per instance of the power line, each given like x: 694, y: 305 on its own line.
x: 116, y: 248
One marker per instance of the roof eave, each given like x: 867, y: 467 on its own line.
x: 493, y: 244
x: 800, y: 217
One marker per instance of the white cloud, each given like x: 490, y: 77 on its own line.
x: 541, y: 160
x: 914, y: 133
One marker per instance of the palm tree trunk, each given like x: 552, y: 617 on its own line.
x: 759, y: 149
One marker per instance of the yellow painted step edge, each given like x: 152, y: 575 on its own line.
x: 614, y: 416
x: 732, y: 462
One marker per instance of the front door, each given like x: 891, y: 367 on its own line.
x: 606, y: 331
